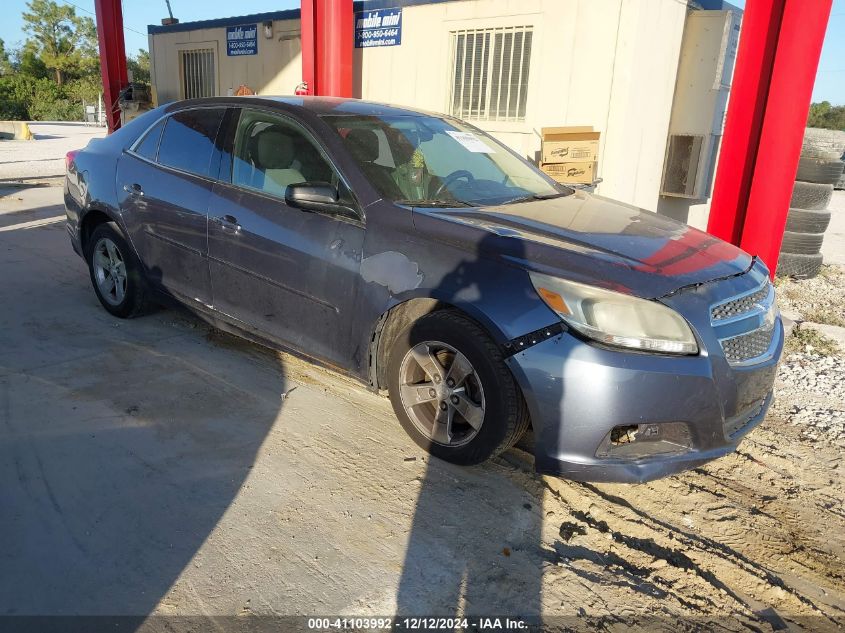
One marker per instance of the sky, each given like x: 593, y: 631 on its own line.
x: 137, y: 14
x: 830, y: 79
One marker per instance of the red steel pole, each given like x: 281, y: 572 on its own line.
x: 308, y: 34
x: 327, y: 41
x: 778, y: 56
x: 334, y: 48
x: 757, y: 45
x: 787, y: 106
x: 112, y: 56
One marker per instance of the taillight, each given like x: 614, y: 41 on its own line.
x: 69, y: 158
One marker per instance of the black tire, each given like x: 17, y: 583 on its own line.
x: 820, y: 153
x: 811, y: 195
x: 799, y: 266
x: 819, y: 171
x: 134, y: 301
x: 801, y: 243
x: 817, y: 140
x: 505, y: 414
x: 807, y: 221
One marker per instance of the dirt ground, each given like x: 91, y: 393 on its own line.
x: 154, y: 466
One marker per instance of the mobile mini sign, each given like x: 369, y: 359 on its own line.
x: 242, y: 40
x: 378, y: 27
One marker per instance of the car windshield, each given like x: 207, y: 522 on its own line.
x: 431, y: 161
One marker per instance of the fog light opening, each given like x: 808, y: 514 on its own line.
x: 639, y: 441
x: 623, y: 434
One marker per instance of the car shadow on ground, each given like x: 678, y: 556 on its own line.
x: 458, y: 564
x: 120, y: 447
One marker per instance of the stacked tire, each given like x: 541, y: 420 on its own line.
x: 819, y: 169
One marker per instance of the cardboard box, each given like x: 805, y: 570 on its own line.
x: 578, y: 144
x: 572, y: 173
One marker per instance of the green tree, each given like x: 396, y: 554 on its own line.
x: 27, y: 62
x: 15, y: 94
x: 140, y: 66
x: 826, y: 116
x: 5, y: 64
x: 64, y: 41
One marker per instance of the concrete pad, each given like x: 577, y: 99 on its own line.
x: 15, y: 130
x: 45, y: 156
x: 833, y: 247
x: 154, y: 466
x: 789, y: 320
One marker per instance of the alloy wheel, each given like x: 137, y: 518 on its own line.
x: 441, y: 393
x: 109, y: 271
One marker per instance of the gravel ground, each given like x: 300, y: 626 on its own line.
x: 811, y: 379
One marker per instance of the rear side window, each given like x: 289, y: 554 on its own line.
x: 188, y: 140
x: 149, y: 144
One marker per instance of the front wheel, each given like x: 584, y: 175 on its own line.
x: 115, y: 272
x: 452, y: 392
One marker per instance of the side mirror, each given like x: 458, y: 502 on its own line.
x: 312, y: 196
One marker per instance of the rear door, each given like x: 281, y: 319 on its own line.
x: 288, y: 273
x: 164, y: 184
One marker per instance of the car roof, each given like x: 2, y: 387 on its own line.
x: 317, y: 105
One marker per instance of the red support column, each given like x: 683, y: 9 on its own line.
x: 758, y: 40
x: 112, y: 56
x: 779, y: 50
x: 787, y: 106
x: 326, y: 28
x: 334, y: 48
x: 308, y: 31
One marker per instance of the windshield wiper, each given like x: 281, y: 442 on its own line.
x: 536, y: 196
x: 446, y: 204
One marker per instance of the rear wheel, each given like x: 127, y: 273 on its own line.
x: 115, y: 272
x: 452, y: 392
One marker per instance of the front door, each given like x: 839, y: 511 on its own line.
x: 288, y: 273
x: 164, y: 186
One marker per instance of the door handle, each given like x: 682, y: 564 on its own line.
x: 228, y: 221
x: 135, y: 189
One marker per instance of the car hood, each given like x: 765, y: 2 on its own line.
x: 590, y: 239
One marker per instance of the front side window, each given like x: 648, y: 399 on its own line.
x: 270, y: 153
x: 424, y: 159
x: 187, y: 142
x: 490, y: 73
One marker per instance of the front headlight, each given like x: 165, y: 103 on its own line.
x: 616, y: 319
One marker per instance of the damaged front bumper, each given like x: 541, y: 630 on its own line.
x: 602, y: 414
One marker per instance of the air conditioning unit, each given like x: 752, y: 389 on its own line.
x: 681, y: 170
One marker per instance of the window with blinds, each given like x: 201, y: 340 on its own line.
x: 197, y: 71
x: 490, y: 73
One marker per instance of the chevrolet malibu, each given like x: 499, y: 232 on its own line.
x: 417, y: 254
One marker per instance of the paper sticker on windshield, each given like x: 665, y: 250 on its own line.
x: 471, y: 142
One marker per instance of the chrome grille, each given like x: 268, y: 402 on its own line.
x: 740, y: 305
x: 745, y: 347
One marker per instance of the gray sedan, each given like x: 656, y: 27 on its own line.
x: 420, y: 256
